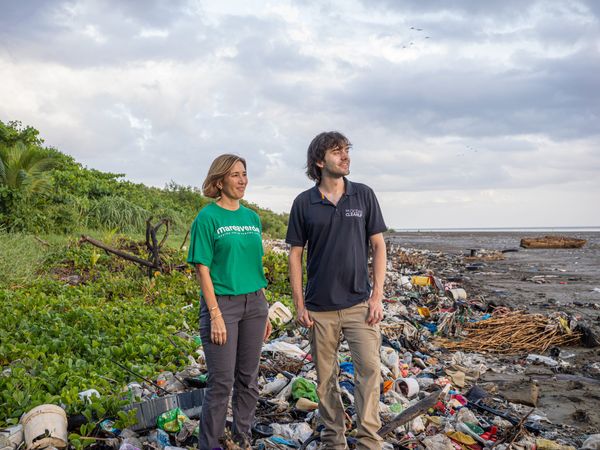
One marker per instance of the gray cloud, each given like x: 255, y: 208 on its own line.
x: 500, y: 97
x: 558, y: 97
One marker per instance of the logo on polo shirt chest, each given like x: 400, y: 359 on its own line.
x: 353, y: 213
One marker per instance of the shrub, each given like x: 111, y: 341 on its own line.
x: 118, y: 213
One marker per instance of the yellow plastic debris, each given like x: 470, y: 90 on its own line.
x: 546, y: 444
x: 419, y: 280
x: 424, y: 311
x: 461, y: 437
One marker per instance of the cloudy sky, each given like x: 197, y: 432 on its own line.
x: 461, y: 113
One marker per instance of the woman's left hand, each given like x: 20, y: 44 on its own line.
x: 268, y: 329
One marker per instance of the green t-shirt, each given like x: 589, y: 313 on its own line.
x: 229, y: 243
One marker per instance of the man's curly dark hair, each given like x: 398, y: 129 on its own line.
x: 316, y: 151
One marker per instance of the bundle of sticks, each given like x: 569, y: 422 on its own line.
x: 514, y: 333
x: 280, y: 362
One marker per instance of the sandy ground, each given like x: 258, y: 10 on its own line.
x: 539, y: 281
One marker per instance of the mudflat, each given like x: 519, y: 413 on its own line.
x: 537, y: 281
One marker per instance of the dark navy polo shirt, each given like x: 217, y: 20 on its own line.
x: 338, y: 243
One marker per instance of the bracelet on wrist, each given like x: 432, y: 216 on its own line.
x: 215, y: 316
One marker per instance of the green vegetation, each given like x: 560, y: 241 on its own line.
x: 45, y: 191
x: 69, y: 311
x: 81, y: 312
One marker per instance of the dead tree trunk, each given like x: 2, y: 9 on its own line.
x: 154, y: 262
x: 153, y: 245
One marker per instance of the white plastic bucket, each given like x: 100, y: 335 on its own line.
x: 409, y: 387
x: 45, y: 420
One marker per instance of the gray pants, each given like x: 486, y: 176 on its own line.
x: 234, y: 364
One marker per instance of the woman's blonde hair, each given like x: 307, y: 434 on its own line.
x: 219, y: 168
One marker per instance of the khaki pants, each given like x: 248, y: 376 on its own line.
x: 364, y: 342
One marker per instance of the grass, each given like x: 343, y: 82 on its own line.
x: 22, y: 258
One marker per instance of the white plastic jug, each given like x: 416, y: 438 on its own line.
x: 281, y: 312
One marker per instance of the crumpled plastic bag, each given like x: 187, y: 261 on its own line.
x: 284, y: 347
x: 465, y: 415
x: 390, y: 358
x: 592, y: 442
x: 299, y: 431
x: 275, y: 386
x: 472, y: 364
x: 172, y: 420
x: 438, y: 442
x: 303, y: 388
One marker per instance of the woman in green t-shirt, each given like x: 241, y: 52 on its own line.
x: 226, y: 250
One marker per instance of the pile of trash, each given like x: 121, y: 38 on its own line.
x: 438, y: 342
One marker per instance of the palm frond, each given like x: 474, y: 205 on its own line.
x: 25, y: 167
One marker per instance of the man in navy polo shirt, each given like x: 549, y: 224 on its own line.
x: 338, y: 220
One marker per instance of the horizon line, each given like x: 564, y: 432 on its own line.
x: 516, y: 228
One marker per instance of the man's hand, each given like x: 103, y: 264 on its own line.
x: 303, y: 317
x: 268, y: 329
x: 375, y: 311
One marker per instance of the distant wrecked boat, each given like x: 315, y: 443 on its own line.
x: 552, y: 242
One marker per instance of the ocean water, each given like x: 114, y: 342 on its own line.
x: 584, y: 261
x: 551, y: 230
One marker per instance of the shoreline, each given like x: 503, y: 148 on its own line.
x: 587, y: 229
x: 543, y: 281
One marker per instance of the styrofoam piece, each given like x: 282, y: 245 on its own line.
x: 189, y: 402
x: 457, y: 294
x: 11, y: 437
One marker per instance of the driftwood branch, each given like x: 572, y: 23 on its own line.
x: 410, y: 413
x: 117, y: 252
x: 154, y: 261
x: 184, y: 239
x: 516, y: 431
